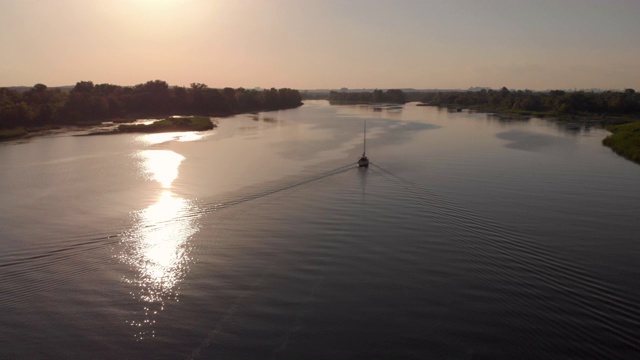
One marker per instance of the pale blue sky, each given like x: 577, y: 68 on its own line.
x: 306, y: 44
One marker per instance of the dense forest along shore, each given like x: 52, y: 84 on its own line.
x: 604, y: 107
x: 41, y: 110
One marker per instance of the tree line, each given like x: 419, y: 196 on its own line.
x: 393, y: 96
x: 89, y: 103
x: 557, y: 102
x: 554, y: 102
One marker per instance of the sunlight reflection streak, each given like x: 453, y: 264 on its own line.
x: 161, y: 165
x: 159, y: 138
x: 157, y: 246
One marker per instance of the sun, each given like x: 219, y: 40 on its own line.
x: 156, y: 6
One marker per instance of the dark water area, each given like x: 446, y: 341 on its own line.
x: 468, y: 237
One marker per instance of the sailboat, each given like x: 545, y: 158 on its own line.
x: 364, y: 160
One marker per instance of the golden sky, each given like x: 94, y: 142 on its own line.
x: 310, y: 44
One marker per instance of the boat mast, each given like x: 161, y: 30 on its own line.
x: 365, y: 138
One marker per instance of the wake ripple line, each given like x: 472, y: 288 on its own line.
x: 239, y: 301
x: 259, y: 195
x: 558, y: 271
x: 35, y: 288
x: 104, y: 240
x: 112, y: 239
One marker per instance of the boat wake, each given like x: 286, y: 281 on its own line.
x: 496, y: 252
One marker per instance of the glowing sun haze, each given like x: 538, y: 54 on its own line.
x: 307, y: 44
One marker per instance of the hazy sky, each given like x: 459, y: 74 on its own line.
x: 307, y: 44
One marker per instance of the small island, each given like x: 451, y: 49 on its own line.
x: 171, y: 124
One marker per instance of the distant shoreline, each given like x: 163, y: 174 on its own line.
x: 625, y: 130
x: 582, y: 118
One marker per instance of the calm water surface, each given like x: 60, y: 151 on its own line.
x: 468, y: 237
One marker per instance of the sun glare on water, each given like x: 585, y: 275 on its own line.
x: 161, y: 166
x: 157, y: 246
x: 152, y: 139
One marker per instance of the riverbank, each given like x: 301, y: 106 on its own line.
x: 582, y: 118
x: 25, y: 133
x: 117, y: 126
x: 625, y: 140
x: 108, y: 126
x: 10, y: 134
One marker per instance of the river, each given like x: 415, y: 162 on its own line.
x: 469, y: 236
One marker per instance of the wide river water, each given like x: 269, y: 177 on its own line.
x: 468, y: 237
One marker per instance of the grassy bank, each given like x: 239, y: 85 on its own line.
x: 20, y: 132
x: 170, y: 124
x: 625, y: 140
x: 582, y: 117
x: 12, y: 133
